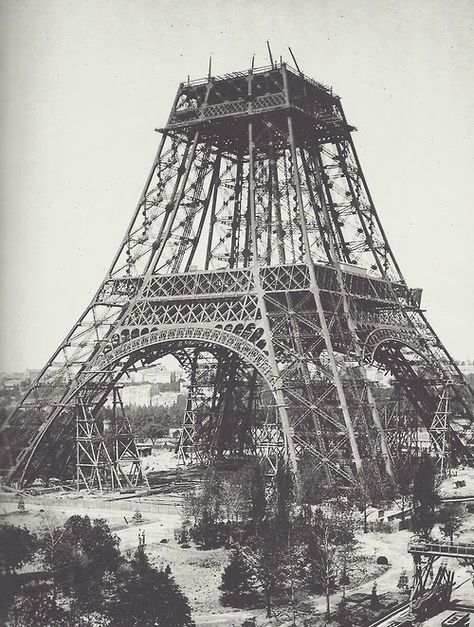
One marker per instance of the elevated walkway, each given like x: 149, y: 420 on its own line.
x: 460, y: 551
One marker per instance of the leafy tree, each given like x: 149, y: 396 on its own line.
x: 284, y: 496
x: 253, y: 480
x: 373, y: 488
x: 154, y: 422
x: 35, y: 605
x: 211, y: 496
x: 206, y: 506
x: 148, y: 597
x: 451, y: 517
x: 234, y: 497
x: 155, y: 431
x: 425, y: 496
x: 313, y: 484
x: 25, y: 427
x: 238, y: 582
x: 78, y: 555
x: 192, y: 506
x: 267, y: 553
x: 17, y: 547
x: 56, y: 554
x: 403, y: 469
x: 240, y: 496
x: 100, y: 588
x: 330, y: 540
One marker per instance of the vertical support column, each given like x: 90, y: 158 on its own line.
x: 353, y: 332
x: 277, y: 383
x: 317, y: 297
x: 168, y: 222
x: 211, y: 193
x: 78, y: 452
x: 212, y: 221
x: 369, y: 197
x: 236, y: 215
x: 273, y: 162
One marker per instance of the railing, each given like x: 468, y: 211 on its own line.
x: 222, y: 109
x: 260, y: 70
x: 456, y: 550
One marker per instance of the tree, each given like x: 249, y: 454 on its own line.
x: 240, y: 496
x: 425, y: 496
x: 192, y: 506
x: 35, y: 605
x: 344, y: 614
x: 330, y: 539
x: 17, y: 547
x: 267, y: 554
x: 253, y: 478
x: 284, y: 486
x: 153, y: 431
x: 206, y: 507
x: 403, y: 469
x: 78, y: 554
x: 238, y: 582
x: 374, y: 599
x: 373, y: 488
x: 451, y: 517
x: 147, y: 597
x: 234, y: 501
x: 313, y: 483
x: 56, y: 554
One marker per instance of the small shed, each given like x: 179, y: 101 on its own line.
x: 144, y: 450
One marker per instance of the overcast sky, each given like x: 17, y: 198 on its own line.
x: 84, y: 84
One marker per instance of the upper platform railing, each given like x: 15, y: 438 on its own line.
x: 261, y: 70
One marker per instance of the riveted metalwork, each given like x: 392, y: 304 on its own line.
x: 257, y: 258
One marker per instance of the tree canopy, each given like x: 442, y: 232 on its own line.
x: 92, y: 584
x: 17, y: 546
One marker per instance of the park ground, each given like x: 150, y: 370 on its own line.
x: 199, y: 572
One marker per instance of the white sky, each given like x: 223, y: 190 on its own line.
x: 84, y: 83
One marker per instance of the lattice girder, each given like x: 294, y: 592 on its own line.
x: 256, y: 239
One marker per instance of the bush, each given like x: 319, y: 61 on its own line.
x: 137, y: 517
x: 210, y: 535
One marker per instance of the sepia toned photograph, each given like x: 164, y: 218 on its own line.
x: 236, y: 330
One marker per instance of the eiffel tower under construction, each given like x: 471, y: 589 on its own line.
x: 257, y: 259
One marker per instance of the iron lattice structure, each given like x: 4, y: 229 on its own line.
x: 256, y: 257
